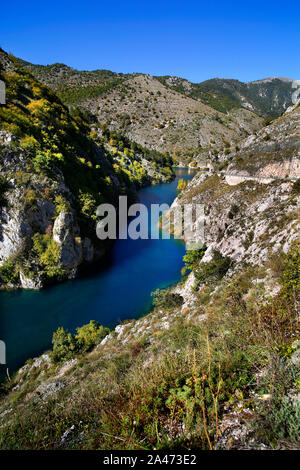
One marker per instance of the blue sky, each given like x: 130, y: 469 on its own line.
x: 247, y: 40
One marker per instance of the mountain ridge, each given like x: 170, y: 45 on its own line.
x: 169, y: 113
x: 147, y: 111
x: 216, y: 84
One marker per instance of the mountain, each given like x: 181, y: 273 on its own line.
x: 54, y: 172
x: 151, y: 112
x: 269, y: 97
x: 213, y: 98
x: 276, y: 144
x: 273, y: 152
x: 170, y: 114
x: 68, y: 82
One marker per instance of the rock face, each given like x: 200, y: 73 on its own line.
x: 74, y: 250
x: 273, y: 153
x: 45, y: 233
x: 21, y: 219
x: 246, y: 220
x: 64, y: 233
x: 29, y: 283
x: 27, y: 212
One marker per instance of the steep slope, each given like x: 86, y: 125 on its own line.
x: 73, y: 85
x: 148, y: 111
x: 252, y: 199
x: 165, y: 120
x: 53, y: 177
x: 273, y: 152
x: 214, y: 98
x: 269, y: 97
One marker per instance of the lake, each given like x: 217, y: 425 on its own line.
x: 117, y: 291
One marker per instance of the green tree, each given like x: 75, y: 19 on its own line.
x: 8, y: 273
x: 48, y: 251
x: 181, y: 185
x: 192, y: 258
x: 90, y: 334
x: 65, y: 345
x: 214, y: 270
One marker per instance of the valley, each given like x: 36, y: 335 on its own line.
x: 153, y: 346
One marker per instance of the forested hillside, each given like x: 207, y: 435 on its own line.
x: 54, y: 173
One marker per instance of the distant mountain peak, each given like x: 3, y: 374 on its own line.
x: 271, y: 79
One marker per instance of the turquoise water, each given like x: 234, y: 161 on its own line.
x: 121, y: 290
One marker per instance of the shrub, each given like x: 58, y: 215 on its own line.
x: 90, y: 334
x: 166, y: 299
x: 181, y: 185
x: 48, y: 251
x: 61, y: 205
x: 192, y: 259
x: 65, y: 345
x: 30, y: 197
x: 234, y: 210
x: 285, y: 420
x: 281, y: 418
x: 29, y: 142
x: 45, y: 161
x: 8, y: 273
x: 214, y: 270
x: 88, y: 205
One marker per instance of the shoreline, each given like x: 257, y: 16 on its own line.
x: 88, y: 275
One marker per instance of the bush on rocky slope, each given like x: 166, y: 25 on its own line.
x: 66, y: 345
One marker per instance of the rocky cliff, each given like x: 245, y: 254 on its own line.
x: 252, y: 204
